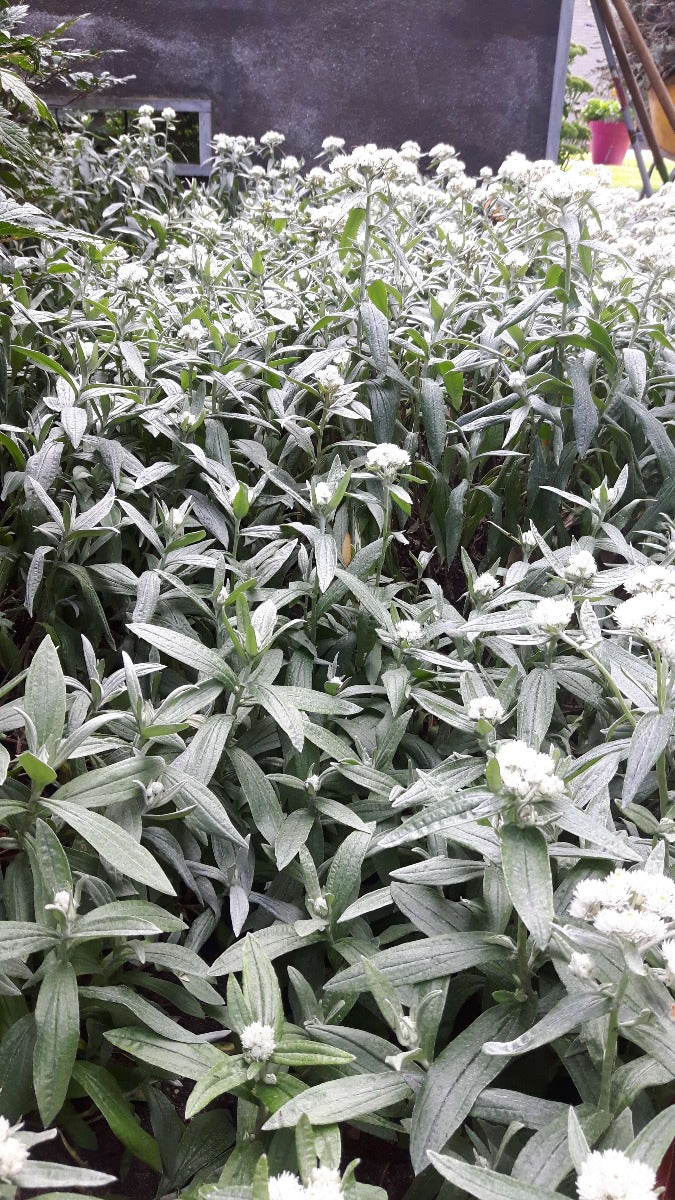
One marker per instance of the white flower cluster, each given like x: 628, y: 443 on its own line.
x: 13, y: 1153
x: 258, y: 1041
x: 526, y: 773
x: 131, y: 275
x: 552, y: 616
x: 634, y: 905
x: 387, y: 460
x: 580, y: 567
x: 612, y: 1175
x: 486, y: 708
x: 485, y: 585
x: 193, y: 333
x: 653, y: 578
x: 323, y: 493
x: 650, y: 611
x: 369, y: 161
x: 329, y: 380
x: 236, y: 147
x: 272, y: 139
x: 409, y: 633
x: 324, y: 1184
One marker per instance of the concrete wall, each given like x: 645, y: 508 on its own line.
x: 477, y: 73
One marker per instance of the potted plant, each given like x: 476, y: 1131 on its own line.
x: 609, y: 136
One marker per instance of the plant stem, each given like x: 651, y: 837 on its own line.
x: 609, y: 1055
x: 385, y: 531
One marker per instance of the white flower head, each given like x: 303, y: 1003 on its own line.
x: 486, y: 708
x: 258, y: 1041
x: 131, y: 275
x: 387, y: 460
x: 485, y: 585
x: 323, y: 493
x: 527, y: 773
x: 630, y: 924
x: 13, y: 1157
x: 517, y: 380
x: 271, y: 139
x: 582, y: 965
x: 581, y: 567
x: 168, y: 113
x: 193, y: 333
x: 612, y: 1175
x: 331, y: 145
x: 329, y: 379
x: 552, y: 616
x: 410, y: 633
x: 146, y: 125
x: 146, y: 110
x: 63, y: 903
x: 286, y: 1187
x: 324, y: 1184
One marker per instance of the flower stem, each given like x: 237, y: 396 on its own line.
x: 609, y: 1056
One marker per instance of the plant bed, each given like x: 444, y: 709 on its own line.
x: 338, y: 638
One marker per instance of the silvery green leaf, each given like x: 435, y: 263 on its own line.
x: 342, y: 1100
x: 260, y: 796
x: 434, y: 405
x: 454, y: 1081
x: 326, y: 558
x: 133, y: 359
x: 276, y: 940
x: 291, y: 835
x: 344, y: 873
x: 113, y: 844
x: 427, y: 958
x: 536, y: 702
x: 636, y: 369
x: 376, y: 329
x: 186, y: 650
x: 45, y: 696
x: 546, y: 1159
x: 286, y: 715
x: 189, y: 1060
x: 527, y: 872
x: 485, y: 1184
x: 649, y: 740
x: 568, y: 1014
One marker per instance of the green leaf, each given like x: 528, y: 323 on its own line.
x: 376, y: 328
x: 434, y: 417
x: 568, y: 1014
x: 585, y: 414
x: 648, y: 741
x: 428, y: 958
x: 104, y: 1090
x: 535, y: 705
x: 260, y: 986
x: 342, y: 1100
x: 189, y: 1060
x: 114, y: 844
x: 186, y: 650
x: 45, y: 698
x: 57, y: 1019
x: 344, y: 874
x: 485, y: 1184
x: 18, y: 939
x: 454, y: 1082
x: 527, y: 872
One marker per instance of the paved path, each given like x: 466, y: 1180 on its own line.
x: 584, y: 31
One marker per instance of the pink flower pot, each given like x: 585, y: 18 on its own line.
x: 609, y: 142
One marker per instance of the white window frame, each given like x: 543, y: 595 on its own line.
x: 106, y: 103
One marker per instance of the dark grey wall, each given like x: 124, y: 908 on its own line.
x: 477, y: 73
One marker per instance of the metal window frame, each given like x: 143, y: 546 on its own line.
x: 107, y: 103
x: 560, y: 68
